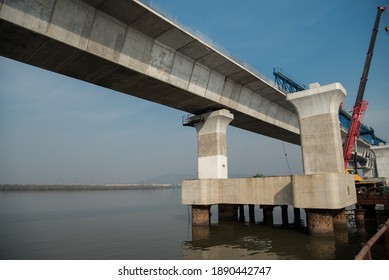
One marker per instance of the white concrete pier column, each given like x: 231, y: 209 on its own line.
x: 212, y: 144
x: 382, y: 160
x: 321, y: 143
x: 212, y: 151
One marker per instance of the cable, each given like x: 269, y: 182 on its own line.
x: 283, y: 146
x: 286, y: 157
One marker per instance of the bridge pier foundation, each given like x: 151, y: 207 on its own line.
x: 284, y: 215
x: 227, y: 212
x: 251, y: 214
x: 201, y: 214
x: 320, y: 222
x: 268, y: 214
x: 242, y: 217
x: 297, y: 217
x: 339, y: 217
x: 360, y: 216
x: 212, y: 158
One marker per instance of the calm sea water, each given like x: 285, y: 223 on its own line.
x: 148, y: 224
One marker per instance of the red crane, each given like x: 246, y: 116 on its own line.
x: 360, y: 104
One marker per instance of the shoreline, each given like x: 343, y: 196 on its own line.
x: 75, y: 187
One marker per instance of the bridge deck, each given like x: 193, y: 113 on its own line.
x: 81, y: 46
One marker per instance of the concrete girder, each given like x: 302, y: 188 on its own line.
x: 119, y: 44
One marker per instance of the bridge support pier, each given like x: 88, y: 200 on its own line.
x: 339, y: 217
x: 321, y: 146
x: 227, y: 212
x: 284, y: 215
x: 382, y: 160
x: 251, y: 214
x: 268, y: 214
x: 320, y: 222
x: 297, y: 217
x: 201, y: 214
x: 242, y: 217
x: 212, y: 158
x: 360, y: 216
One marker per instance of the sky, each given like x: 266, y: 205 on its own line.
x: 58, y: 130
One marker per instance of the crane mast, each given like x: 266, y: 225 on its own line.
x: 360, y: 104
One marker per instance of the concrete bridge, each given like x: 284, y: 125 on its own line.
x: 128, y: 47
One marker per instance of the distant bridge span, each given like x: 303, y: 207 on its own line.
x: 128, y: 47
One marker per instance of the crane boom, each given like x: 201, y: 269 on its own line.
x: 360, y: 104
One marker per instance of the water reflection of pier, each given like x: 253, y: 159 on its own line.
x: 233, y: 240
x: 245, y: 240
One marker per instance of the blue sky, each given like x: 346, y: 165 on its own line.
x: 55, y: 129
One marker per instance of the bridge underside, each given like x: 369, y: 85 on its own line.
x: 127, y: 47
x: 40, y: 51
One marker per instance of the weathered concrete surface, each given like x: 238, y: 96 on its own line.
x: 212, y: 144
x: 321, y: 142
x: 319, y: 222
x: 269, y: 190
x: 382, y: 161
x: 325, y: 191
x: 128, y: 47
x: 339, y: 217
x: 200, y: 214
x: 321, y: 191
